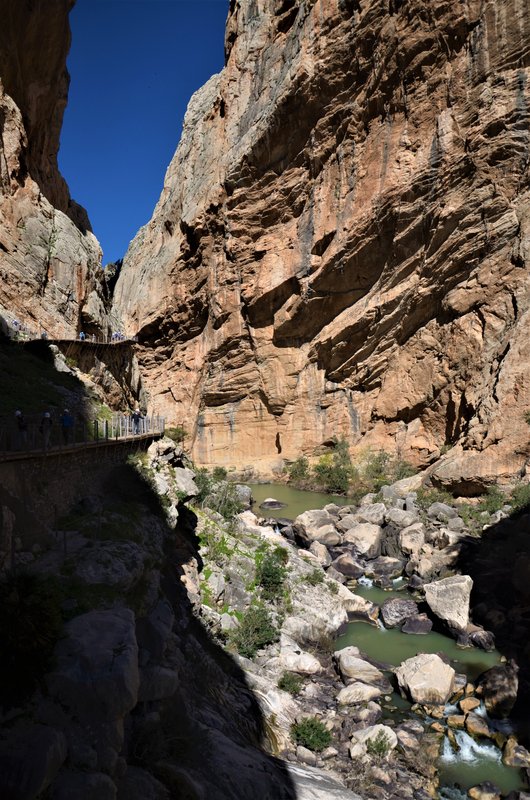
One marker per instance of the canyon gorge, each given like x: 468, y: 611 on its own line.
x: 337, y: 265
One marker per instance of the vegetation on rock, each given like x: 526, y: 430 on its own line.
x: 336, y: 473
x: 255, y: 631
x: 311, y: 733
x: 291, y: 682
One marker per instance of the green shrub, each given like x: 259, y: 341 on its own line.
x: 271, y: 572
x: 333, y: 587
x: 520, y: 497
x: 219, y: 474
x: 298, y: 471
x: 493, y: 500
x: 426, y: 497
x: 379, y: 746
x: 224, y: 499
x: 315, y: 577
x: 255, y: 631
x: 311, y: 733
x: 203, y: 482
x: 527, y: 417
x: 212, y: 537
x: 30, y: 625
x: 178, y: 433
x: 291, y: 682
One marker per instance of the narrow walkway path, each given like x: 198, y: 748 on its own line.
x: 16, y: 444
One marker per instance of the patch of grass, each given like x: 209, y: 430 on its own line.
x: 315, y: 577
x: 333, y: 587
x: 311, y: 733
x: 291, y: 682
x: 379, y: 746
x: 426, y: 497
x: 271, y: 572
x: 177, y: 433
x: 255, y: 631
x: 214, y: 538
x: 520, y: 497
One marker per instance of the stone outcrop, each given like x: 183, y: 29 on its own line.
x: 426, y: 679
x: 341, y: 245
x: 49, y: 258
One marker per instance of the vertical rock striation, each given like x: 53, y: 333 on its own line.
x: 48, y: 255
x: 342, y: 243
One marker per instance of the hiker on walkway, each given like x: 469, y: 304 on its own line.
x: 136, y: 419
x: 46, y: 429
x: 22, y: 430
x: 82, y: 336
x: 67, y: 425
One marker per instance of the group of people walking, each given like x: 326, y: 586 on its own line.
x: 38, y: 432
x: 66, y: 424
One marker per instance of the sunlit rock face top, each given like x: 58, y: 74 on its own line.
x: 342, y: 243
x: 48, y: 256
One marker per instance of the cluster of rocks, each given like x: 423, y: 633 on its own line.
x: 394, y: 538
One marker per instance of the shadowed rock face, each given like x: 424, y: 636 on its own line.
x: 342, y: 240
x: 48, y: 255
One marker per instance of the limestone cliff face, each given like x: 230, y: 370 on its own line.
x: 48, y: 255
x: 342, y: 243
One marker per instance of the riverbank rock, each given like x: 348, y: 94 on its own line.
x: 426, y: 679
x: 354, y: 668
x: 515, y: 755
x: 449, y: 600
x: 316, y: 526
x: 315, y: 784
x: 357, y: 692
x: 397, y: 610
x: 499, y: 689
x: 381, y: 735
x: 29, y: 761
x: 366, y: 539
x: 418, y: 625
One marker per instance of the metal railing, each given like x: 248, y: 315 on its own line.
x: 39, y: 437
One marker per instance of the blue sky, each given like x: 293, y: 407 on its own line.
x: 134, y: 65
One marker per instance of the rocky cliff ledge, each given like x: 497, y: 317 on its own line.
x: 48, y: 255
x: 341, y: 245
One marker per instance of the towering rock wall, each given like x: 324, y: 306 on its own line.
x: 342, y: 243
x: 48, y: 256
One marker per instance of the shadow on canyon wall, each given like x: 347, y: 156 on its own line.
x: 499, y: 563
x: 208, y: 738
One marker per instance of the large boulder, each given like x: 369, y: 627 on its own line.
x: 380, y: 734
x: 315, y: 784
x: 449, y: 600
x: 499, y: 689
x: 354, y: 668
x: 29, y: 761
x: 366, y: 539
x: 348, y: 566
x: 412, y: 539
x: 396, y: 610
x: 316, y: 526
x: 426, y: 679
x: 374, y: 513
x: 400, y: 518
x: 116, y: 564
x: 96, y: 675
x: 357, y: 692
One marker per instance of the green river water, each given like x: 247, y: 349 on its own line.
x: 475, y: 761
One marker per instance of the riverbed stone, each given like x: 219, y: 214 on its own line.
x: 499, y: 689
x: 515, y: 755
x: 418, y: 625
x: 316, y: 526
x: 477, y: 725
x: 357, y: 692
x: 396, y: 610
x: 426, y: 679
x: 321, y: 552
x: 346, y: 521
x: 441, y: 511
x: 449, y: 600
x: 373, y: 513
x: 348, y: 566
x: 456, y: 721
x: 385, y: 566
x: 484, y: 791
x: 354, y: 668
x: 401, y: 519
x: 366, y: 539
x: 468, y: 704
x: 412, y: 538
x: 360, y: 738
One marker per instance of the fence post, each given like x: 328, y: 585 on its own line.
x: 96, y: 430
x: 106, y: 430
